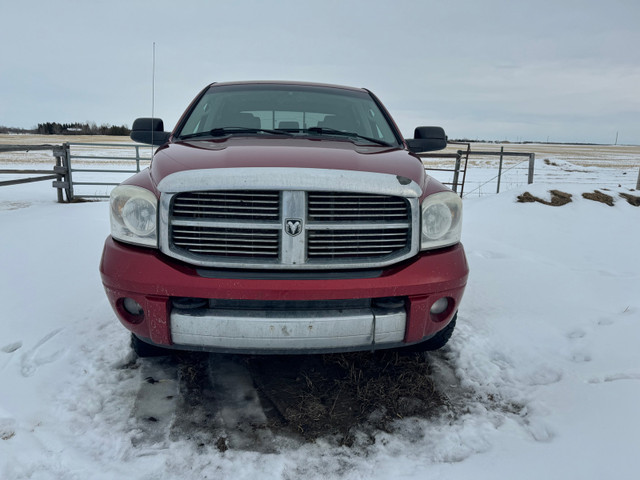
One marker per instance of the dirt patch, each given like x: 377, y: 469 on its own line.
x: 318, y: 395
x: 197, y: 405
x: 14, y: 205
x: 258, y: 403
x: 598, y: 196
x: 558, y: 198
x: 631, y: 199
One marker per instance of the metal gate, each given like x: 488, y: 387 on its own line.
x: 82, y: 163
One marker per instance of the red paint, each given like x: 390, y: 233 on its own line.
x: 150, y: 278
x: 247, y: 152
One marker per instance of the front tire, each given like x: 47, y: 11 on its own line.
x: 436, y: 342
x: 144, y: 349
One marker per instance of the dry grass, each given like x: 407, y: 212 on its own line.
x: 598, y: 196
x: 333, y: 394
x: 558, y: 198
x: 631, y: 199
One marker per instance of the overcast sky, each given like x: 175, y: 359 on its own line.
x: 559, y: 70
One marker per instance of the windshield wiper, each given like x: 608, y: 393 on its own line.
x: 223, y: 131
x: 333, y: 131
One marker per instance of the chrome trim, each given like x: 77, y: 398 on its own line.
x: 282, y: 330
x: 283, y: 179
x: 292, y: 250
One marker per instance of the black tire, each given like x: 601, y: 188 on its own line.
x: 436, y: 342
x: 144, y: 349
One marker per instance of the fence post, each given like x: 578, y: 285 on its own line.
x: 63, y: 172
x: 638, y: 184
x: 456, y: 172
x: 137, y: 158
x: 67, y: 163
x: 500, y: 168
x: 532, y: 159
x: 60, y: 172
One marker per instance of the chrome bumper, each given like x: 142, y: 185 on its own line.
x: 273, y: 331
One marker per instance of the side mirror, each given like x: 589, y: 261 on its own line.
x: 150, y: 131
x: 427, y: 139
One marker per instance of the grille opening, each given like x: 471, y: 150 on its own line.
x: 227, y: 242
x: 228, y: 205
x: 331, y: 244
x: 340, y: 207
x: 274, y: 305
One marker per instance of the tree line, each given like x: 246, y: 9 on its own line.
x: 87, y: 128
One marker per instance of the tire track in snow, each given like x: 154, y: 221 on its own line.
x: 155, y: 403
x: 209, y: 400
x: 33, y: 359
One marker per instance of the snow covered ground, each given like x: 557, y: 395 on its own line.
x: 545, y: 354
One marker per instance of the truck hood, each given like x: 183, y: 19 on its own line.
x: 253, y: 152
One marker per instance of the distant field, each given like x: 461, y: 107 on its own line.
x: 608, y: 156
x: 6, y: 139
x: 24, y: 157
x: 612, y: 156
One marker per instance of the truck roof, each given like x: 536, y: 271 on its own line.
x: 287, y: 82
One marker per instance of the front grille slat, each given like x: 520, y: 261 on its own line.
x: 221, y: 228
x: 356, y: 216
x: 227, y: 205
x: 349, y: 207
x: 238, y: 213
x: 335, y: 244
x: 226, y: 242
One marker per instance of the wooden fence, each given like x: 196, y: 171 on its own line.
x: 57, y: 173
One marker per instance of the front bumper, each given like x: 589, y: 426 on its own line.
x: 399, y: 312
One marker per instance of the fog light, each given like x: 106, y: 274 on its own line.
x: 186, y: 303
x: 440, y: 306
x: 389, y: 303
x: 132, y: 307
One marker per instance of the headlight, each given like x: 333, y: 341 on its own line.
x: 441, y: 220
x: 134, y: 215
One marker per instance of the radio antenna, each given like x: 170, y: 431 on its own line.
x: 153, y: 93
x: 153, y: 80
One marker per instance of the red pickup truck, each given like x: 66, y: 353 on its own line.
x: 284, y: 217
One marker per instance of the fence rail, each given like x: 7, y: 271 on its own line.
x: 63, y: 171
x: 57, y: 174
x: 461, y: 165
x: 457, y: 167
x: 67, y: 178
x: 72, y: 157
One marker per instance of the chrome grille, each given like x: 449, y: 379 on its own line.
x: 331, y: 244
x: 236, y: 205
x: 348, y: 207
x: 227, y: 242
x: 289, y: 229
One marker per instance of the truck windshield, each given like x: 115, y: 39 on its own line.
x: 254, y: 109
